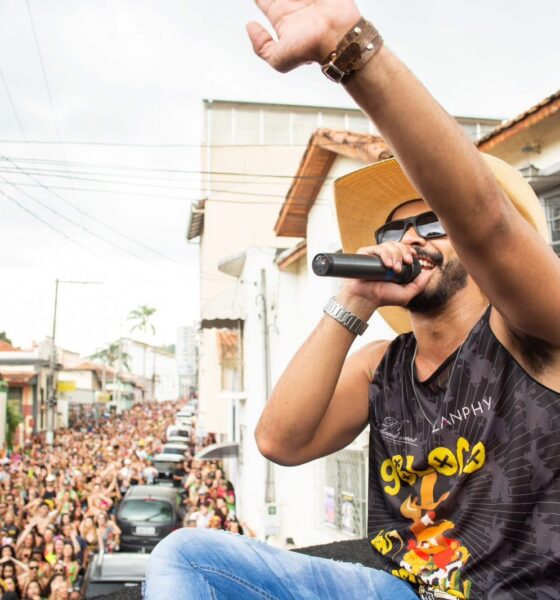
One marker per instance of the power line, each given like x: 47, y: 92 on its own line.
x: 280, y: 202
x: 99, y: 190
x: 12, y: 105
x: 202, y: 189
x: 146, y: 145
x: 159, y: 170
x: 45, y: 79
x: 83, y: 212
x: 65, y: 218
x: 55, y: 172
x: 36, y: 216
x: 44, y: 72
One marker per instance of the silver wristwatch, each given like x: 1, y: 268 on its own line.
x: 347, y: 319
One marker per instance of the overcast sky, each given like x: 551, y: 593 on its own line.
x: 135, y: 72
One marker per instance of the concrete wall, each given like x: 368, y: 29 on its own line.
x: 543, y: 137
x: 145, y: 361
x: 295, y: 300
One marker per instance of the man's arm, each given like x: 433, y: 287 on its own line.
x: 320, y: 404
x: 505, y: 256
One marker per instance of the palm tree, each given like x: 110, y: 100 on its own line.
x: 141, y: 321
x: 141, y: 317
x: 112, y: 355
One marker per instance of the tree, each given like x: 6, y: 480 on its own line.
x: 141, y: 321
x: 4, y: 337
x: 112, y: 355
x: 13, y: 419
x: 141, y: 318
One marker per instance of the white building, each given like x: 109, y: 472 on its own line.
x: 154, y: 367
x: 252, y: 153
x: 531, y: 143
x: 186, y: 353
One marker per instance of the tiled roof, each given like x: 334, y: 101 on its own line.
x: 530, y: 117
x: 88, y: 366
x: 196, y: 222
x: 18, y: 377
x: 7, y: 347
x: 323, y: 147
x: 228, y: 344
x: 292, y: 255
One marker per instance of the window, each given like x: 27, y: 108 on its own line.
x: 358, y: 123
x: 246, y: 126
x: 334, y: 120
x: 221, y: 126
x: 242, y: 437
x: 15, y: 395
x: 276, y: 127
x: 344, y: 498
x: 303, y: 125
x: 154, y: 511
x: 552, y: 207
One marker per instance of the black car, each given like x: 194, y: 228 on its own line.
x: 148, y: 513
x: 107, y: 573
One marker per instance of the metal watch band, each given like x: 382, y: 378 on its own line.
x: 347, y: 319
x: 352, y: 52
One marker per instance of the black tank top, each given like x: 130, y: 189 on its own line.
x: 464, y: 474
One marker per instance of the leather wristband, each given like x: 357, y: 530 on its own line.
x: 353, y: 51
x: 346, y: 318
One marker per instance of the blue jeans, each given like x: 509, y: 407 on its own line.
x: 200, y: 564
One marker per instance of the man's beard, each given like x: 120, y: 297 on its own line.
x: 453, y: 278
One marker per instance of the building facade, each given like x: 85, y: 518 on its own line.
x: 27, y: 375
x: 531, y: 143
x: 153, y: 368
x: 186, y: 353
x: 269, y: 207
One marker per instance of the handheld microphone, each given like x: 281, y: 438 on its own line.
x: 362, y: 266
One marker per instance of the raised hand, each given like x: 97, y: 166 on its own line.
x: 307, y: 30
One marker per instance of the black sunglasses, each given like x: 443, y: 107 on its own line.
x: 426, y: 225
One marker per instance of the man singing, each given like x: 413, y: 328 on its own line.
x: 463, y: 406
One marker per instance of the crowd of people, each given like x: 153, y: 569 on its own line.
x: 58, y: 504
x: 209, y: 498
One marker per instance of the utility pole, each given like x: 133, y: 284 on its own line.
x: 270, y: 488
x: 52, y: 400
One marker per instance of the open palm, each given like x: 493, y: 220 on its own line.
x: 306, y: 30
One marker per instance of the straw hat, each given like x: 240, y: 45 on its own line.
x: 365, y: 198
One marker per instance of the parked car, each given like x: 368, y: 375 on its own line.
x: 175, y: 439
x: 174, y: 431
x: 187, y: 410
x: 184, y: 418
x: 148, y: 513
x: 107, y: 573
x: 178, y: 433
x: 184, y: 423
x: 166, y: 465
x: 175, y: 448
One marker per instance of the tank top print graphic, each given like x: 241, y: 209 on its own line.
x: 464, y: 476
